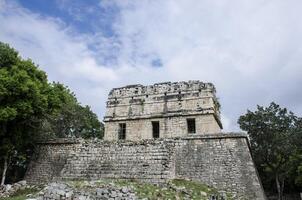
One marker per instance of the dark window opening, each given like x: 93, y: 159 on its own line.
x: 191, y: 125
x: 122, y: 131
x: 155, y: 129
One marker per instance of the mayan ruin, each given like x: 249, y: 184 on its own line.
x: 155, y: 134
x: 162, y: 110
x: 150, y: 100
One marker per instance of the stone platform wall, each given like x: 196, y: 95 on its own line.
x: 219, y: 160
x: 149, y: 161
x: 49, y: 160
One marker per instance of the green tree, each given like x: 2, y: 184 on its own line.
x: 23, y: 100
x: 89, y: 126
x: 296, y: 158
x: 32, y: 109
x: 67, y: 118
x: 272, y: 131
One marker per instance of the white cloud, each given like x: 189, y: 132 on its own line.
x: 65, y: 57
x: 251, y: 50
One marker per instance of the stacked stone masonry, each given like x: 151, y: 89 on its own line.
x: 169, y: 104
x: 219, y: 160
x: 154, y: 134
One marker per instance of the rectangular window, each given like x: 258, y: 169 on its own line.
x: 191, y: 125
x: 122, y: 131
x: 155, y: 129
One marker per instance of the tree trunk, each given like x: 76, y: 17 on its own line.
x: 282, y: 187
x: 279, y: 188
x: 4, y: 170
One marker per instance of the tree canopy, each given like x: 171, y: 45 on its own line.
x: 275, y: 134
x: 31, y: 108
x: 67, y: 118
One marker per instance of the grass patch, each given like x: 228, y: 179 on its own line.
x: 149, y: 191
x: 21, y: 194
x: 82, y: 184
x: 196, y: 190
x: 174, y: 190
x: 21, y: 197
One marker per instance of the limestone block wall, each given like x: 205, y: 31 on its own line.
x: 148, y: 162
x: 170, y: 101
x: 49, y: 160
x: 220, y: 160
x: 169, y: 127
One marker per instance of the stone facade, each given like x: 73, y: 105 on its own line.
x: 220, y: 160
x: 170, y: 105
x: 154, y: 134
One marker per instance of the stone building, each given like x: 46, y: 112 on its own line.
x: 185, y: 120
x: 162, y: 110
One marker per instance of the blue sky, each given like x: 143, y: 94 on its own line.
x: 250, y: 50
x: 85, y: 16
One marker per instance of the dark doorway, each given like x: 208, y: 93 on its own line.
x: 191, y: 125
x: 122, y: 131
x: 155, y: 129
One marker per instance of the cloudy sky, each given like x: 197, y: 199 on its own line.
x: 250, y: 50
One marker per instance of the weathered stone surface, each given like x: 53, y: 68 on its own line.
x: 170, y: 104
x: 59, y: 191
x: 219, y: 160
x: 9, y: 189
x: 205, y: 154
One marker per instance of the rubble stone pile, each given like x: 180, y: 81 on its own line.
x: 57, y: 191
x: 8, y: 189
